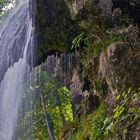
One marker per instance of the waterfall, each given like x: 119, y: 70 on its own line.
x: 16, y: 40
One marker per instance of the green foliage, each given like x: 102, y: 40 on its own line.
x: 79, y: 40
x: 96, y: 126
x: 57, y: 101
x: 2, y: 2
x: 115, y: 37
x: 90, y: 126
x: 98, y: 123
x: 5, y: 6
x: 99, y: 126
x: 91, y: 47
x: 125, y: 115
x: 126, y: 111
x: 68, y: 129
x: 94, y: 44
x: 109, y: 38
x: 32, y: 117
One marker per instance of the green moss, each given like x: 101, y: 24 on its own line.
x: 93, y: 46
x: 55, y: 29
x: 90, y: 126
x: 99, y: 126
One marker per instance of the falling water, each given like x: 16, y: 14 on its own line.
x: 16, y: 38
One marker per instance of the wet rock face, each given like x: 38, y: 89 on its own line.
x: 88, y: 105
x: 120, y: 67
x: 55, y: 28
x: 129, y: 7
x: 76, y: 99
x: 57, y: 20
x: 64, y: 69
x: 127, y: 60
x: 106, y: 6
x: 75, y: 6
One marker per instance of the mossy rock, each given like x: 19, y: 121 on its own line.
x: 88, y: 106
x: 55, y: 28
x: 89, y: 127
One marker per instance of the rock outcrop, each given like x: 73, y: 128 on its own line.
x: 104, y: 75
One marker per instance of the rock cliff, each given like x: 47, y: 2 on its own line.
x: 105, y: 67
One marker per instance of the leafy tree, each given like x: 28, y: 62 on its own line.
x: 51, y: 108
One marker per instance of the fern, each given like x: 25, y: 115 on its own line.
x: 78, y: 40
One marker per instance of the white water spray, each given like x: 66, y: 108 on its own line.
x: 15, y: 41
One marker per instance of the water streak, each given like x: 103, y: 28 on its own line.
x: 15, y: 41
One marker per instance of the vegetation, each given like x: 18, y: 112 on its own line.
x: 99, y: 125
x: 5, y: 6
x: 51, y: 103
x: 90, y: 126
x: 49, y: 113
x: 126, y: 115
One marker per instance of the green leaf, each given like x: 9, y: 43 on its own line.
x: 118, y: 97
